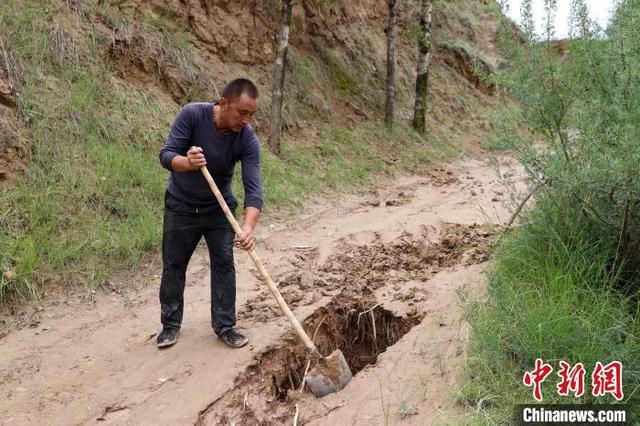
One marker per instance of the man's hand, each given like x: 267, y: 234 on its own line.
x: 195, y: 157
x: 247, y: 242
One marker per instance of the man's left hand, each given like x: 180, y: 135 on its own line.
x: 247, y: 242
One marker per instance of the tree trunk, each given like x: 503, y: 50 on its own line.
x: 422, y: 77
x: 277, y: 89
x: 391, y: 63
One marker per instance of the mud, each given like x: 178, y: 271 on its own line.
x: 441, y: 176
x: 363, y: 268
x: 270, y: 387
x: 354, y: 321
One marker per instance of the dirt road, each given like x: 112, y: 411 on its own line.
x: 379, y: 274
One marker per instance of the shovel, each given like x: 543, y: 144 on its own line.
x: 331, y: 373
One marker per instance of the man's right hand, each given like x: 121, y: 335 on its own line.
x: 195, y: 157
x: 193, y: 161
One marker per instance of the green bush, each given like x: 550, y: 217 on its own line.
x: 586, y: 109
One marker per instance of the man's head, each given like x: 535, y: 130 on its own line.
x: 238, y: 102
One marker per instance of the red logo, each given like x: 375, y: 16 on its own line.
x: 607, y: 379
x: 572, y: 379
x: 536, y: 377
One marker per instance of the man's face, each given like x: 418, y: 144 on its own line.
x: 239, y: 112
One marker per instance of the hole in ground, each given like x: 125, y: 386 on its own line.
x: 265, y: 389
x: 360, y: 328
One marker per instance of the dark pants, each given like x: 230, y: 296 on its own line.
x: 184, y: 225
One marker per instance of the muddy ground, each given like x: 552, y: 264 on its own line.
x: 378, y: 275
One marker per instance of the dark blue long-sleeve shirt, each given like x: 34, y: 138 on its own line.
x: 194, y: 126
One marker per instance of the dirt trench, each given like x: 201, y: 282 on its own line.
x: 378, y: 275
x: 353, y: 320
x: 265, y: 391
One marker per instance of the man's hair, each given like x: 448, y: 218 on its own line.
x: 237, y: 87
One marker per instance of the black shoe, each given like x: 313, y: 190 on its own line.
x: 167, y: 337
x: 233, y: 338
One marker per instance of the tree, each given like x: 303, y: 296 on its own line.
x: 277, y: 88
x: 422, y: 77
x: 391, y: 63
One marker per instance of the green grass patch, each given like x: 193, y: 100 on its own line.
x: 553, y: 296
x: 411, y: 32
x: 469, y: 51
x: 340, y: 75
x: 341, y: 160
x: 91, y: 197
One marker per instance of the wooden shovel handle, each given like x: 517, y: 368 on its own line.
x: 256, y: 261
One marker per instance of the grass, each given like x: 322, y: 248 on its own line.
x: 553, y: 296
x: 343, y: 78
x: 424, y: 387
x: 406, y: 408
x: 476, y: 56
x: 341, y: 160
x: 89, y: 198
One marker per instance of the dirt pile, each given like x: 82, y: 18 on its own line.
x: 353, y: 320
x: 361, y: 269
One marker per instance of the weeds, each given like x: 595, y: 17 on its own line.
x: 424, y: 387
x: 88, y: 199
x: 406, y: 408
x: 552, y: 296
x: 443, y: 364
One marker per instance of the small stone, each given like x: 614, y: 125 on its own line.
x: 9, y: 273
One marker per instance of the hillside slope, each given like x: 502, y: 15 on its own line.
x: 88, y: 91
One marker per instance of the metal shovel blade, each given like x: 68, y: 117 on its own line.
x: 330, y: 375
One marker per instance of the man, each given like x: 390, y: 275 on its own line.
x: 216, y: 135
